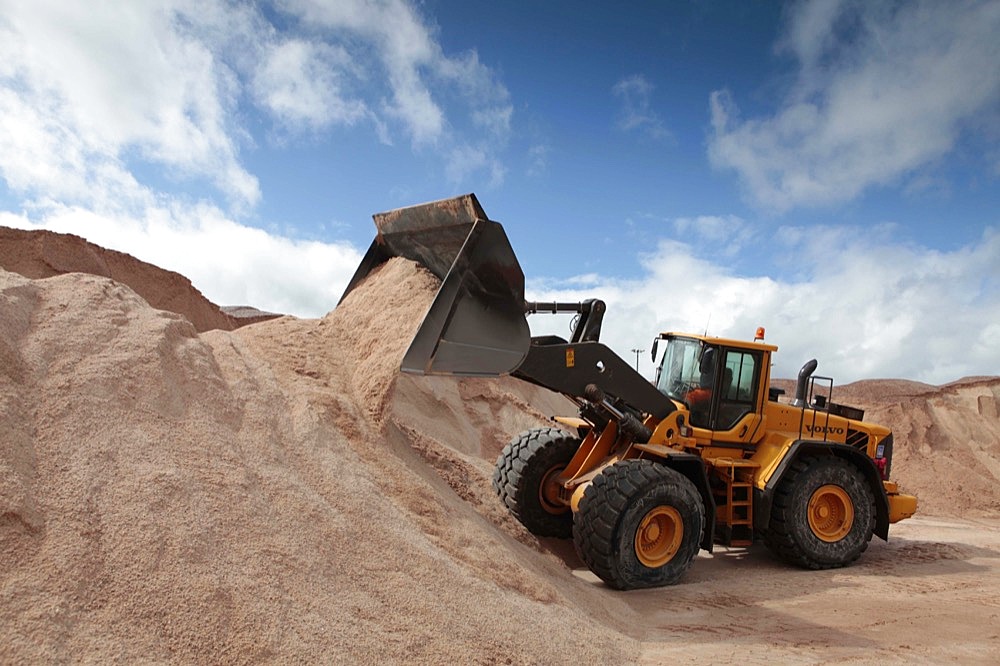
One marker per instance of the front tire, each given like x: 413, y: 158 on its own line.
x: 639, y: 524
x: 525, y: 479
x: 823, y: 514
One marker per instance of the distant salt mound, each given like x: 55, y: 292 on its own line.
x: 247, y: 314
x: 42, y: 254
x: 947, y: 440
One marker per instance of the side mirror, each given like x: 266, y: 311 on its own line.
x: 652, y: 351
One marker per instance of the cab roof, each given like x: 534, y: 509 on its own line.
x: 723, y: 342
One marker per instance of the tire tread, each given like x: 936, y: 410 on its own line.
x: 513, y: 468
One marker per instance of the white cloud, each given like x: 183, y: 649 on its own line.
x: 302, y: 82
x: 464, y: 160
x: 538, y: 160
x: 98, y: 99
x: 91, y: 93
x: 881, y: 90
x: 863, y: 305
x: 723, y: 234
x: 637, y: 112
x: 109, y: 78
x: 421, y: 77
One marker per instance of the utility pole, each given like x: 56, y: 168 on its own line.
x: 637, y: 352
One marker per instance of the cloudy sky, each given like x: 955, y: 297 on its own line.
x: 828, y: 169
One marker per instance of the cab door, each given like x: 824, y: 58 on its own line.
x: 735, y: 414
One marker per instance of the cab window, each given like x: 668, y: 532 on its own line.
x: 680, y: 371
x: 736, y: 389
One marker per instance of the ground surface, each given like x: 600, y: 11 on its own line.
x: 931, y: 594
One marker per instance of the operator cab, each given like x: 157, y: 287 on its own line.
x: 717, y: 380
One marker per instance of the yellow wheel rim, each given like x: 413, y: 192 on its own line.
x: 548, y: 491
x: 831, y: 513
x: 659, y: 536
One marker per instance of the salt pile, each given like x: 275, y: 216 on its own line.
x: 257, y: 494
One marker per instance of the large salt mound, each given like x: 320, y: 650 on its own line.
x: 258, y: 494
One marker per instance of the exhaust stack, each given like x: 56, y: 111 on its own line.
x: 802, y: 385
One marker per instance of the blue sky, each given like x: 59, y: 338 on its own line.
x: 826, y: 168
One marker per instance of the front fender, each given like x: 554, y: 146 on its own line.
x: 763, y: 499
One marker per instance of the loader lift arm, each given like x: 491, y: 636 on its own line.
x: 588, y: 325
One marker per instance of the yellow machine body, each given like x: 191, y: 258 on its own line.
x: 742, y: 458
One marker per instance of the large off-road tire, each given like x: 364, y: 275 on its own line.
x: 524, y: 478
x: 639, y: 524
x: 823, y: 514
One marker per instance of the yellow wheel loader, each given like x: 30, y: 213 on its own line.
x: 647, y: 473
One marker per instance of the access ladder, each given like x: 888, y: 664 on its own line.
x: 734, y: 501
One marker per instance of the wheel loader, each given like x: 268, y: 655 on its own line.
x: 647, y: 473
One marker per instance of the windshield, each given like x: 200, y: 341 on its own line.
x: 679, y: 369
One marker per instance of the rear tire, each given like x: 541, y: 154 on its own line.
x: 823, y: 514
x: 639, y: 524
x: 524, y: 479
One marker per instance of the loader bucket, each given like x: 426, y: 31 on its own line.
x: 476, y: 324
